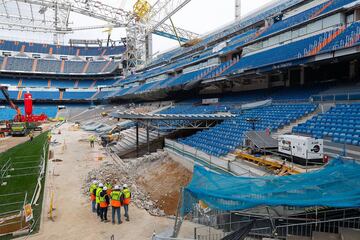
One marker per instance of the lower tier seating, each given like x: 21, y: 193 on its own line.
x: 341, y: 123
x: 8, y: 113
x: 228, y: 135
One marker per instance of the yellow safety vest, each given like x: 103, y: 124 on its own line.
x: 115, y: 198
x: 98, y: 191
x: 102, y: 200
x: 126, y: 193
x: 92, y: 188
x: 108, y: 185
x: 115, y: 195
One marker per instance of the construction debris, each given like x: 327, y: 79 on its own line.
x: 132, y: 172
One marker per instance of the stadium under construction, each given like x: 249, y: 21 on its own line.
x: 250, y: 131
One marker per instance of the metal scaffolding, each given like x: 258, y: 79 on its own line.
x: 53, y: 16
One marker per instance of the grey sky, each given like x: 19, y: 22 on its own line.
x: 200, y: 16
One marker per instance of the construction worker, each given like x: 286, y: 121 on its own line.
x: 49, y: 136
x: 31, y: 136
x: 92, y: 192
x: 108, y: 185
x: 92, y: 139
x: 125, y: 199
x: 116, y: 204
x: 104, y: 203
x: 97, y: 198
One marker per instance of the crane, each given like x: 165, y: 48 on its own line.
x: 4, y: 90
x: 28, y: 116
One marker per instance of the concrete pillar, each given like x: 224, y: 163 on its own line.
x: 353, y: 69
x: 237, y: 10
x: 302, y: 76
x: 149, y: 48
x: 287, y: 83
x: 137, y: 139
x: 357, y: 15
x: 267, y: 80
x: 148, y: 137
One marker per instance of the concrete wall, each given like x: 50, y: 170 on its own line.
x: 188, y: 156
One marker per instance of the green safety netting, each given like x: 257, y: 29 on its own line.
x: 335, y: 185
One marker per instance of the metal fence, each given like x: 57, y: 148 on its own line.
x: 16, y: 217
x: 218, y: 226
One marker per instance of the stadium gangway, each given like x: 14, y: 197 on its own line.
x: 165, y: 122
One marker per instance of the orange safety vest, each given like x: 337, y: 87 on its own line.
x: 103, y: 203
x: 92, y: 195
x: 127, y: 196
x: 115, y: 198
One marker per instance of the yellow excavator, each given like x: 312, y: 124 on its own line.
x: 111, y: 137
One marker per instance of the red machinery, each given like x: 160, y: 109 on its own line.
x: 29, y: 116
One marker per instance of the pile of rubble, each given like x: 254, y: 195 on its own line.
x: 127, y: 172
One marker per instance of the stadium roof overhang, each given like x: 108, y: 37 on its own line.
x: 174, y: 121
x: 331, y: 56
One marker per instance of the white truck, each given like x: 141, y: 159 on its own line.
x: 301, y: 148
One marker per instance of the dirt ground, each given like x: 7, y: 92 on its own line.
x: 163, y: 181
x: 72, y: 217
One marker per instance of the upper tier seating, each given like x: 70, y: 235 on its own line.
x: 341, y: 123
x: 74, y: 66
x: 228, y: 135
x: 25, y: 64
x: 290, y: 51
x: 48, y: 65
x: 55, y: 83
x: 348, y: 38
x: 305, y: 15
x: 232, y: 28
x: 19, y: 64
x: 59, y: 49
x: 96, y: 66
x: 170, y: 82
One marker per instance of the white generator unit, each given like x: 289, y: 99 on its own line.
x: 301, y: 147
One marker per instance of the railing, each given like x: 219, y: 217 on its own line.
x: 13, y: 217
x: 4, y: 171
x: 16, y: 217
x: 332, y: 97
x: 219, y: 225
x: 306, y: 229
x: 218, y: 164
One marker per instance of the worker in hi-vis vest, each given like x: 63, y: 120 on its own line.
x: 104, y: 203
x: 116, y: 204
x: 92, y: 140
x: 125, y: 199
x: 97, y: 198
x: 92, y: 192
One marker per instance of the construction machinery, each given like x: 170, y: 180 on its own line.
x: 28, y: 116
x: 21, y: 124
x: 111, y: 137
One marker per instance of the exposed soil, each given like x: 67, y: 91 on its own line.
x: 163, y: 180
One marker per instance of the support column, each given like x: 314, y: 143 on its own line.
x: 267, y: 79
x: 148, y: 137
x: 137, y: 139
x: 353, y: 70
x: 302, y: 76
x: 149, y: 48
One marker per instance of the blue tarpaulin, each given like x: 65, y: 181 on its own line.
x: 335, y: 185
